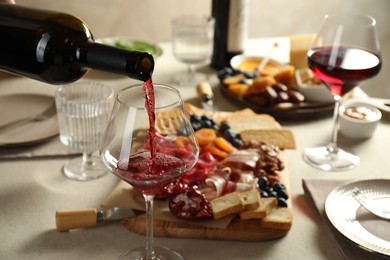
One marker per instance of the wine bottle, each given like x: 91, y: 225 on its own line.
x: 231, y: 30
x: 58, y: 48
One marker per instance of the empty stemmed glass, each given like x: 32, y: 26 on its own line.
x: 149, y: 141
x: 345, y: 52
x: 192, y: 44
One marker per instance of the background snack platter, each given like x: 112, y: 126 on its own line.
x: 272, y: 89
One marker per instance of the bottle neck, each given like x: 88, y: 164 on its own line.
x: 134, y: 64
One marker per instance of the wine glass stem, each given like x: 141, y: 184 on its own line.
x: 333, y: 142
x: 191, y: 71
x: 87, y: 159
x: 149, y: 227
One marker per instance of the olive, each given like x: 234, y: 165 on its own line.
x: 282, y: 194
x: 262, y: 182
x: 229, y: 134
x: 282, y: 202
x: 236, y: 142
x: 264, y: 194
x: 278, y: 186
x: 196, y: 125
x: 223, y: 127
x: 250, y: 74
x: 195, y: 118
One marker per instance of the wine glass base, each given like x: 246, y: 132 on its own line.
x: 188, y: 79
x: 76, y: 169
x: 161, y: 253
x: 330, y: 158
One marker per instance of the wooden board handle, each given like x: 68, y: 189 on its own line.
x: 70, y: 219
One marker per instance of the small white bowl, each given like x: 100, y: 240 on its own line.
x: 312, y: 89
x: 253, y: 62
x: 358, y: 120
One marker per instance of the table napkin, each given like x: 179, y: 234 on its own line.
x: 50, y: 148
x: 316, y: 192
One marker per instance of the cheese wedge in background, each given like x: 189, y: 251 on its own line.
x: 299, y: 46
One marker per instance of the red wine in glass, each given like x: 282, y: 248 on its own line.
x: 345, y: 53
x: 150, y: 175
x: 147, y: 154
x: 342, y: 68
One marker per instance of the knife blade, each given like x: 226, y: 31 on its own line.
x: 206, y: 96
x: 82, y: 218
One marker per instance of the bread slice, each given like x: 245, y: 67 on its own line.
x: 253, y: 122
x: 283, y: 138
x: 251, y: 199
x: 278, y: 218
x: 228, y: 204
x: 266, y: 205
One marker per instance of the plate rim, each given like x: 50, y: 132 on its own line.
x: 348, y: 234
x: 159, y: 50
x: 31, y: 141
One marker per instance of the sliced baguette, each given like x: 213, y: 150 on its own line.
x: 278, y: 218
x: 228, y: 204
x: 266, y: 205
x: 251, y: 199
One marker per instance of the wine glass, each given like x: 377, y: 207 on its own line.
x: 149, y: 141
x: 83, y: 109
x: 345, y: 52
x: 192, y: 44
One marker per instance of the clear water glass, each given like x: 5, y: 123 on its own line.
x: 83, y: 109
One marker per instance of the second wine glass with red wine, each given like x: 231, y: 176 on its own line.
x: 345, y: 53
x: 148, y: 143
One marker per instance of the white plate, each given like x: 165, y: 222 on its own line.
x: 132, y: 45
x: 13, y: 107
x: 355, y: 222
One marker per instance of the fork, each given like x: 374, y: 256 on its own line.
x: 46, y: 114
x: 371, y: 205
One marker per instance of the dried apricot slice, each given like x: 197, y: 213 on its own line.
x: 223, y: 144
x: 215, y: 151
x: 205, y: 136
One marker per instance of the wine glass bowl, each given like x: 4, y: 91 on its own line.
x: 345, y: 53
x: 192, y: 44
x: 149, y: 142
x: 83, y: 109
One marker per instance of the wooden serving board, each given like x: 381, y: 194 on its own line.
x: 237, y: 229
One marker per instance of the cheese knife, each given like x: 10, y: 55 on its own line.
x: 206, y: 96
x: 82, y: 218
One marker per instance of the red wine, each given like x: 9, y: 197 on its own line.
x: 58, y: 48
x: 342, y: 68
x: 148, y: 91
x: 148, y: 177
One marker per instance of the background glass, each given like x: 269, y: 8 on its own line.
x: 192, y: 44
x: 345, y: 53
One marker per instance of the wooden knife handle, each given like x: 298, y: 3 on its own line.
x: 70, y: 219
x: 204, y: 90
